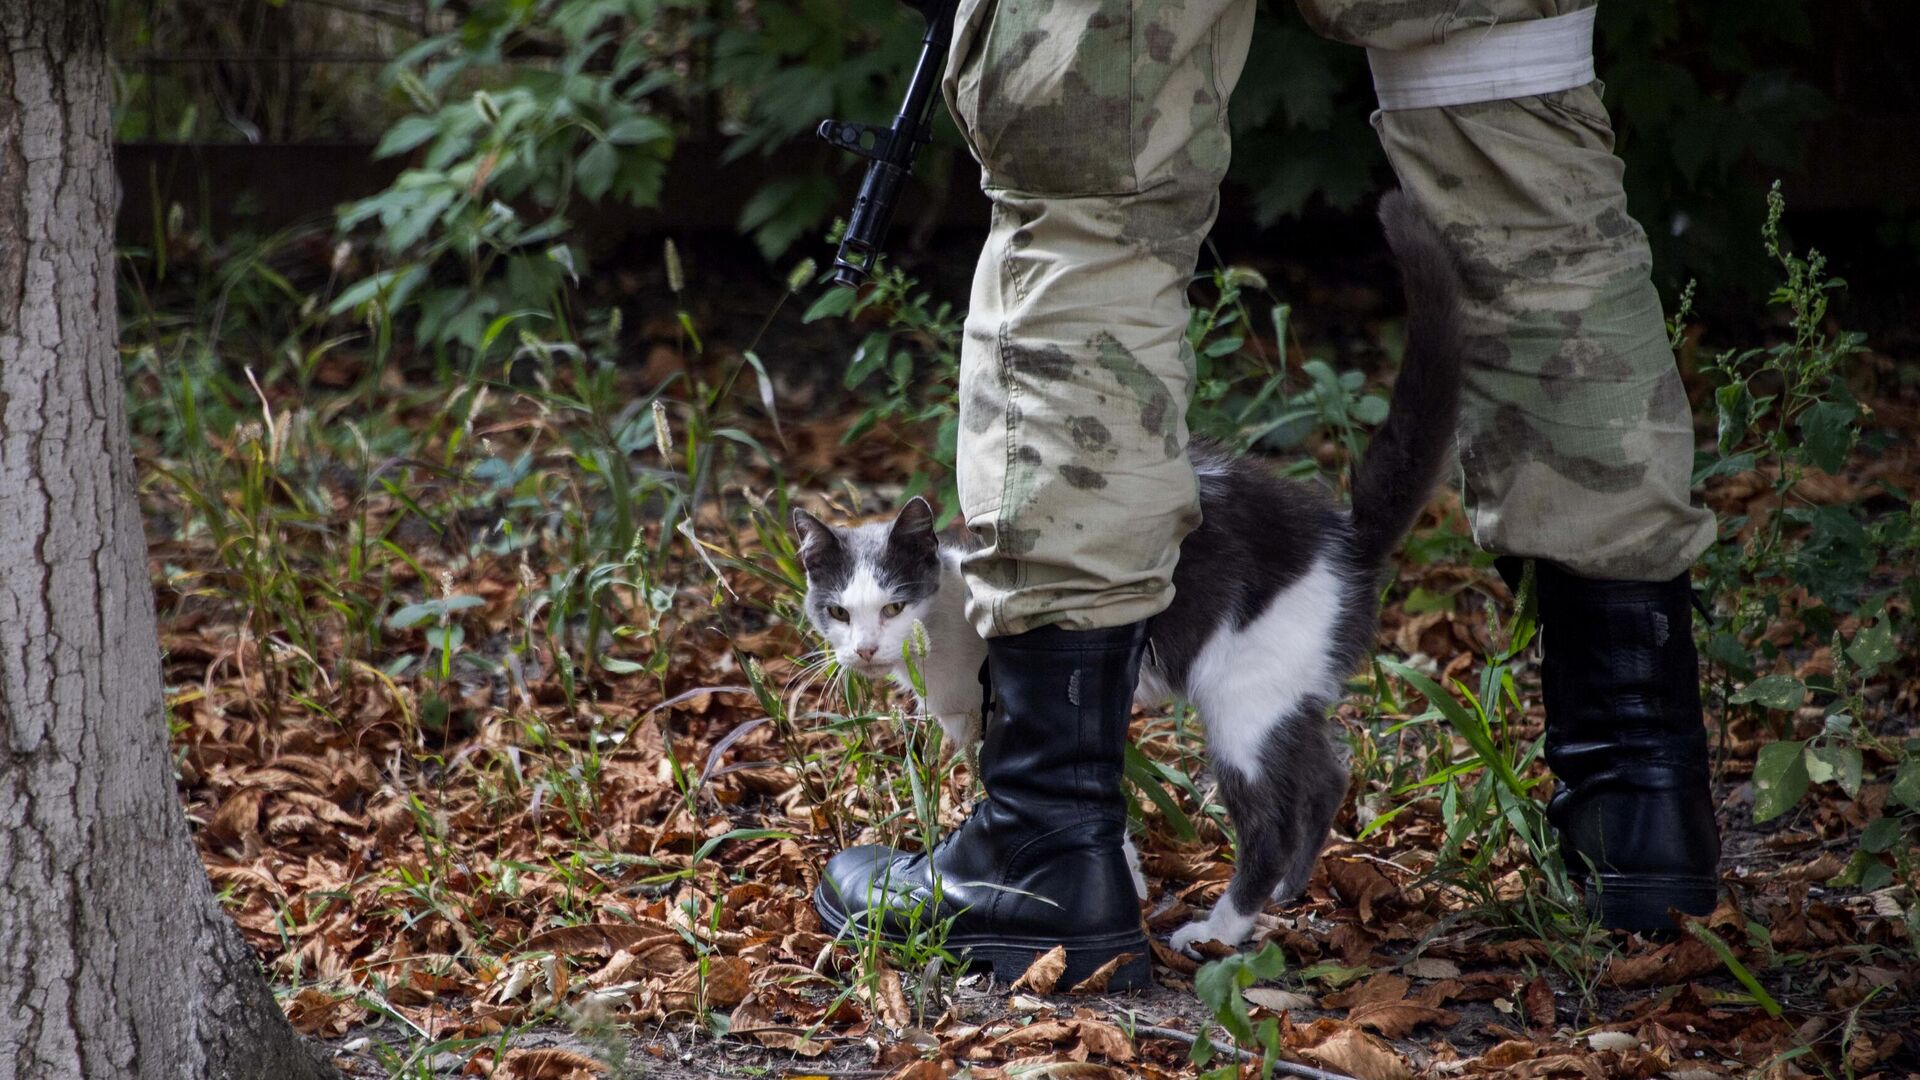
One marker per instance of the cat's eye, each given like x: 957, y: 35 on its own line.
x: 836, y: 613
x: 893, y: 609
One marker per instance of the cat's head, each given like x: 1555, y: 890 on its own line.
x: 868, y: 584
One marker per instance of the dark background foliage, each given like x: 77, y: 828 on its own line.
x: 1712, y: 100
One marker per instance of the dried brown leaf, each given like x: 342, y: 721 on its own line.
x: 886, y: 999
x: 547, y: 1063
x: 313, y: 1011
x: 1347, y: 1049
x: 1431, y: 967
x: 1104, y: 1039
x: 601, y: 939
x: 238, y: 817
x: 1668, y: 965
x: 1539, y: 1002
x: 1376, y: 990
x: 1049, y: 1069
x: 1044, y: 973
x: 1096, y: 983
x: 1397, y: 1019
x: 724, y: 985
x: 1278, y: 1000
x: 753, y: 1019
x: 1359, y: 884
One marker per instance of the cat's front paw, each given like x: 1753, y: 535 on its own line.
x: 1185, y: 938
x: 1224, y: 925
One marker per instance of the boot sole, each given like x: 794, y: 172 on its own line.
x: 1008, y: 958
x: 1641, y: 902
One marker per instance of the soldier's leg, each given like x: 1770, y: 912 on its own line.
x: 1575, y: 436
x: 1576, y: 439
x: 1100, y: 126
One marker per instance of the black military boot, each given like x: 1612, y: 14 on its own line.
x: 1624, y: 737
x: 1038, y: 861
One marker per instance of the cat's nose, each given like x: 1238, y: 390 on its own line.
x: 866, y: 651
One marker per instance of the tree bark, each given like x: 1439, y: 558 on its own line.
x: 114, y: 959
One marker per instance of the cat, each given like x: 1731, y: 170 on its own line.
x: 1274, y: 605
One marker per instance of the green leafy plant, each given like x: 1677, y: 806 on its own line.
x: 1786, y: 413
x: 475, y: 231
x: 1221, y: 985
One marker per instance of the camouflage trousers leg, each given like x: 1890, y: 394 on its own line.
x: 1576, y: 439
x: 1100, y: 128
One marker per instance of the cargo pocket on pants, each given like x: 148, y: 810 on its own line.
x: 1043, y: 93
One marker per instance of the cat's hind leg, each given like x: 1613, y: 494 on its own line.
x: 1282, y: 801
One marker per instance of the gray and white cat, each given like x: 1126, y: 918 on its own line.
x: 1275, y: 599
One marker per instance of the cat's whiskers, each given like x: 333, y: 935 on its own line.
x: 811, y: 674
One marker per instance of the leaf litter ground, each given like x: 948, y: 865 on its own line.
x: 485, y: 870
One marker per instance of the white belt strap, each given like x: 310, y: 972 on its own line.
x: 1509, y: 60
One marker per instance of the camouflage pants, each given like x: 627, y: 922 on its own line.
x: 1100, y: 127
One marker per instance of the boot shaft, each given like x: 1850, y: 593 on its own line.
x: 1620, y: 674
x: 1054, y: 745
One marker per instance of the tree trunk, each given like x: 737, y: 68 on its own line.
x: 114, y: 959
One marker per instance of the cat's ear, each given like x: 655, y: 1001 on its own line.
x: 816, y: 537
x: 912, y: 530
x: 913, y: 524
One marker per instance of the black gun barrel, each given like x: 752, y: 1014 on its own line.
x: 890, y: 150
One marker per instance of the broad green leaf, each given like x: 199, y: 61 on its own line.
x: 1421, y: 601
x: 406, y: 135
x: 1779, y: 779
x: 835, y: 301
x: 1873, y: 647
x: 1781, y: 692
x: 638, y: 129
x: 595, y: 172
x: 1735, y: 407
x: 1906, y: 783
x: 1828, y: 432
x: 1880, y: 836
x: 1226, y: 346
x: 1725, y: 649
x: 1706, y: 467
x: 1370, y: 410
x: 431, y: 610
x: 1835, y: 764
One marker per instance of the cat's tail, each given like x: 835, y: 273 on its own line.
x: 1398, y: 473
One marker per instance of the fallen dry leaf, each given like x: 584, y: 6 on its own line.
x: 1347, y: 1049
x: 1045, y: 971
x: 723, y: 985
x: 1048, y: 1069
x: 753, y: 1019
x: 548, y: 1063
x: 1539, y: 1001
x: 1272, y: 997
x: 1096, y: 982
x: 1431, y: 967
x: 1378, y: 989
x: 1397, y: 1019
